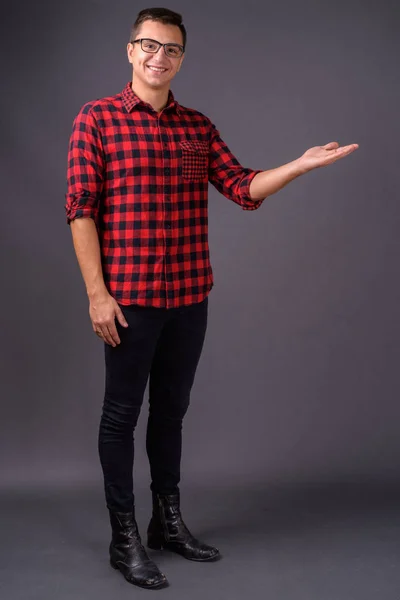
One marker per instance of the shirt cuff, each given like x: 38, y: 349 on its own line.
x: 81, y: 205
x: 246, y: 202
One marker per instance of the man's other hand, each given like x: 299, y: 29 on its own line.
x: 103, y: 310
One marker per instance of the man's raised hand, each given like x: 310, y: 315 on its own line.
x: 320, y: 156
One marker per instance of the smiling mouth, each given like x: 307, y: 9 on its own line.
x: 156, y: 69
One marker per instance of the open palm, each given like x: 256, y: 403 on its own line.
x: 320, y: 156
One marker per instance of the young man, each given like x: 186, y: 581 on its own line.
x: 139, y: 164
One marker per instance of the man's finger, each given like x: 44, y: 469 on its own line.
x: 99, y: 334
x: 120, y: 316
x: 346, y: 150
x: 106, y: 335
x: 114, y: 333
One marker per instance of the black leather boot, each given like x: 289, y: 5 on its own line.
x: 167, y: 530
x: 128, y: 554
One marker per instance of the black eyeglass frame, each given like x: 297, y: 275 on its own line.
x: 159, y: 46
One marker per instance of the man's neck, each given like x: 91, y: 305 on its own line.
x: 156, y: 98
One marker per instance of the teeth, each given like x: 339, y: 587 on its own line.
x: 159, y: 69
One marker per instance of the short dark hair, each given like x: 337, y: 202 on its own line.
x: 162, y: 15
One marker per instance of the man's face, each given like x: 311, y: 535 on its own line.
x: 142, y: 61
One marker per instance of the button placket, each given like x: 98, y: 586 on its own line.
x: 167, y: 210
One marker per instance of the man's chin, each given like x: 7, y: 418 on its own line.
x: 151, y: 84
x: 154, y: 85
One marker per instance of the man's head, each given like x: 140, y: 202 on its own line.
x: 155, y: 66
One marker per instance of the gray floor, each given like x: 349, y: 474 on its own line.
x: 322, y: 542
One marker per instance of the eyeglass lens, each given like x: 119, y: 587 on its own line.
x: 172, y: 50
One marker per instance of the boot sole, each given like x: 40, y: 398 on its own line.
x: 154, y: 586
x: 158, y: 546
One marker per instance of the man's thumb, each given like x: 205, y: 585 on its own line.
x: 120, y: 317
x: 331, y: 146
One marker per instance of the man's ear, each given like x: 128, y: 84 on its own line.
x: 128, y: 50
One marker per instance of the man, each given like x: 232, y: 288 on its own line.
x: 138, y: 171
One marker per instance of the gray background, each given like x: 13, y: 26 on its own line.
x: 291, y: 444
x: 299, y: 377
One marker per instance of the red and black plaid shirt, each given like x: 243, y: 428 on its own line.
x: 143, y: 176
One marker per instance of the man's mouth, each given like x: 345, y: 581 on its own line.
x: 156, y: 69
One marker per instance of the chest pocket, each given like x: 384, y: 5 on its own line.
x: 194, y: 154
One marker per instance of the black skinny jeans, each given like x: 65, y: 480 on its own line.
x: 165, y: 344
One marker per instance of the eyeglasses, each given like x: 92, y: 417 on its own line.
x: 152, y: 46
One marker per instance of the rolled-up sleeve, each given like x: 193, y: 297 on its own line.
x: 85, y: 171
x: 228, y: 176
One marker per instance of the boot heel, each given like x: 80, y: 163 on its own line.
x: 113, y: 564
x: 154, y: 542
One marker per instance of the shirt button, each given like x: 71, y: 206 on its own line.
x: 167, y: 171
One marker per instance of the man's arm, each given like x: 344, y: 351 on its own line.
x: 249, y: 187
x: 87, y: 250
x: 85, y: 176
x: 227, y: 175
x: 103, y: 308
x: 268, y: 182
x: 86, y: 167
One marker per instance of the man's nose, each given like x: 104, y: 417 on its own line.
x: 159, y: 56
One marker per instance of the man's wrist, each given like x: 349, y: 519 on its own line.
x: 299, y: 168
x: 97, y: 293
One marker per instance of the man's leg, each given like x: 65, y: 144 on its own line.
x: 171, y: 379
x: 127, y: 369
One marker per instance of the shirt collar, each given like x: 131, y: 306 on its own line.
x: 130, y: 99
